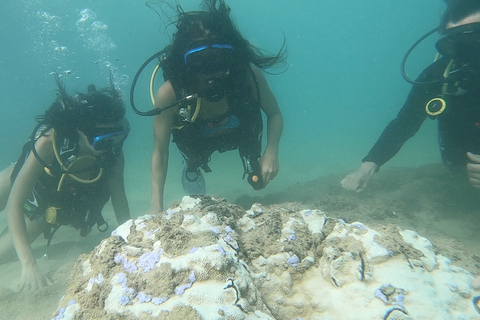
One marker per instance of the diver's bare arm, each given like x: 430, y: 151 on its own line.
x: 162, y: 125
x: 32, y: 277
x: 269, y: 161
x: 272, y: 111
x: 116, y: 185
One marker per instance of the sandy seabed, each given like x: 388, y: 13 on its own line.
x: 428, y: 200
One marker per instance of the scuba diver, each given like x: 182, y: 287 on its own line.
x: 72, y: 165
x: 212, y: 100
x: 448, y: 90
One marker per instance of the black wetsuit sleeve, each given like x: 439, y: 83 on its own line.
x: 409, y: 119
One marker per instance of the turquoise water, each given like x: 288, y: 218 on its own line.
x: 341, y: 88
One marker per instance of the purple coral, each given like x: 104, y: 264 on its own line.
x: 61, y: 312
x: 192, y: 277
x: 128, y: 265
x: 158, y: 301
x: 193, y: 249
x: 293, y: 261
x: 124, y: 300
x: 143, y: 297
x: 148, y: 260
x: 122, y: 278
x: 222, y: 251
x: 359, y: 225
x: 99, y: 279
x: 181, y: 289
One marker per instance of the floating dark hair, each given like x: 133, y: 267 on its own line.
x: 214, y: 22
x: 83, y: 111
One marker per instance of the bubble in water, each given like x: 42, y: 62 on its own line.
x: 94, y: 33
x: 57, y: 47
x: 85, y: 16
x: 60, y: 48
x: 120, y: 81
x: 98, y: 25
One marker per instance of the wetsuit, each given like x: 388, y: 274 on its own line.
x: 458, y: 125
x: 240, y: 128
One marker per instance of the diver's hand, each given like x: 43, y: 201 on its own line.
x: 269, y: 166
x: 473, y: 169
x: 358, y: 180
x: 33, y: 278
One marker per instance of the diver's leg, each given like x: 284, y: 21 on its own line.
x: 7, y: 250
x: 5, y: 186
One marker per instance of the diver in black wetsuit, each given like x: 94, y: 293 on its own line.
x: 449, y: 91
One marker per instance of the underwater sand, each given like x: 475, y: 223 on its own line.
x: 427, y: 199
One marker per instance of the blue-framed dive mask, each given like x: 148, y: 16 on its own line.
x: 104, y: 138
x: 210, y: 59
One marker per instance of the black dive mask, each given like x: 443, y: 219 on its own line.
x: 210, y: 58
x: 461, y: 43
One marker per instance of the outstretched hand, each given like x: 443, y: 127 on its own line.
x: 358, y: 180
x: 269, y: 166
x: 473, y: 169
x: 33, y: 278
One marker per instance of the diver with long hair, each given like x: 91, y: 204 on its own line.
x: 448, y: 90
x: 215, y: 73
x: 72, y: 165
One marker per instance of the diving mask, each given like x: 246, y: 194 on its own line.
x: 462, y: 42
x: 210, y: 59
x: 104, y: 138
